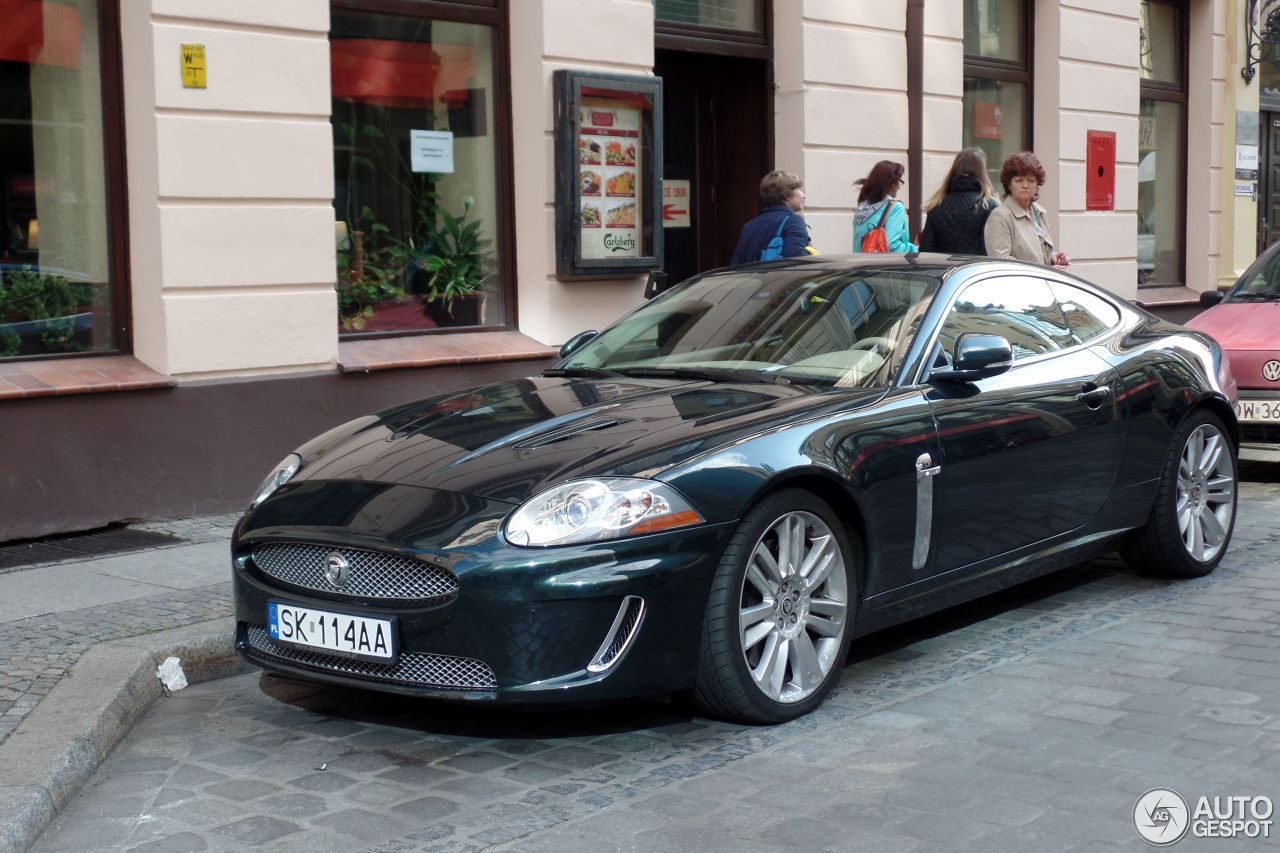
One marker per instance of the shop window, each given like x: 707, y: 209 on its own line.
x: 997, y: 79
x: 417, y: 189
x: 56, y: 275
x: 1162, y: 134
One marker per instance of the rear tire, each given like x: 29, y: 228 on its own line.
x: 1194, y: 513
x: 780, y: 612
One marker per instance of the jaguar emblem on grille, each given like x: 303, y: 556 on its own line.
x: 1271, y: 371
x: 336, y: 569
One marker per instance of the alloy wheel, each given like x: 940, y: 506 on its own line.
x: 794, y: 607
x: 1206, y: 492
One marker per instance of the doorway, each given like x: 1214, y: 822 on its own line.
x: 718, y: 132
x: 1269, y: 180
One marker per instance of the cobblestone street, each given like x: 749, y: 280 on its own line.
x: 1031, y: 720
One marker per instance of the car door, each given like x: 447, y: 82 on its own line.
x: 1029, y: 454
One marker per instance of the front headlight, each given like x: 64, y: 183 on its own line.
x: 277, y: 478
x: 593, y: 510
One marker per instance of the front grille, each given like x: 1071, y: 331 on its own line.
x: 370, y: 574
x: 443, y: 671
x: 1260, y: 433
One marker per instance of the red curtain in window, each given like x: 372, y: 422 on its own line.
x: 33, y: 31
x: 398, y: 73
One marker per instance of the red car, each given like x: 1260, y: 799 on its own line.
x: 1246, y: 323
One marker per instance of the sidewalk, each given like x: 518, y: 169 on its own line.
x: 82, y: 639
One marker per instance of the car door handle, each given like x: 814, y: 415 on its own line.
x: 1094, y: 397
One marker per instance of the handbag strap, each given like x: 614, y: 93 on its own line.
x: 781, y: 225
x: 884, y: 214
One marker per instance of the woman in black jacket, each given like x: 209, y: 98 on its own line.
x: 958, y: 211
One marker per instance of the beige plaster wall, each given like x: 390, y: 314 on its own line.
x: 230, y: 187
x: 840, y: 103
x: 548, y: 35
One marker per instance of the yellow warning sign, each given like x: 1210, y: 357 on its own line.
x: 193, y: 75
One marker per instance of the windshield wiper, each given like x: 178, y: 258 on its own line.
x: 711, y: 374
x: 580, y: 372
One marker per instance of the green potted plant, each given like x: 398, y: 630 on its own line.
x: 450, y: 252
x: 365, y: 277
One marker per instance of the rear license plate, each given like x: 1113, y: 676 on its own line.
x: 340, y: 633
x: 1258, y: 411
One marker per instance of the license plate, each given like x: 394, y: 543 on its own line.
x: 340, y: 633
x: 1257, y: 411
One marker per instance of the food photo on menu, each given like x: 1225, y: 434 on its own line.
x: 621, y: 215
x: 620, y: 154
x: 590, y: 182
x: 621, y: 184
x: 588, y: 151
x: 590, y: 215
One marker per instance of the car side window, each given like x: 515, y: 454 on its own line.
x: 1086, y: 314
x: 1019, y: 308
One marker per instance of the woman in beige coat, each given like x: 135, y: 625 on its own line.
x: 1017, y: 228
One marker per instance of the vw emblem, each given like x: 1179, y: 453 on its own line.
x: 335, y: 569
x: 1271, y: 371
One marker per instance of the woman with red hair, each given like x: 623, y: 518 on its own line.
x: 1017, y: 228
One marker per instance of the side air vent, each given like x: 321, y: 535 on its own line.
x: 625, y: 627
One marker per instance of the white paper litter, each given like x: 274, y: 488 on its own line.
x: 171, y: 675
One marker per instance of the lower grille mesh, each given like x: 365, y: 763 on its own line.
x: 443, y: 671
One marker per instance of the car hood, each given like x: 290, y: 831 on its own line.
x: 1241, y: 326
x: 509, y: 440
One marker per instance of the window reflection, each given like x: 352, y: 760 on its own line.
x: 55, y: 294
x: 1021, y: 310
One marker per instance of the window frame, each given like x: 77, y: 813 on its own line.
x: 674, y: 35
x: 977, y: 67
x: 1173, y: 92
x: 492, y: 13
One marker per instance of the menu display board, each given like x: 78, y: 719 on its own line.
x: 607, y: 192
x: 610, y: 179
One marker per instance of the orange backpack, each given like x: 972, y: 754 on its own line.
x: 876, y: 240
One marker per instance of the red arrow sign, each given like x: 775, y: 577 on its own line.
x: 669, y: 211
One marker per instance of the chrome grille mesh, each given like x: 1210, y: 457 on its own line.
x: 444, y: 671
x: 371, y: 574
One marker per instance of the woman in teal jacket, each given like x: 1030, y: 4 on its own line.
x: 876, y: 194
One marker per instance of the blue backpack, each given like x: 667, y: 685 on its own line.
x: 773, y: 249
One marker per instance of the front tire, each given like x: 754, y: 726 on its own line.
x: 1194, y: 513
x: 780, y: 613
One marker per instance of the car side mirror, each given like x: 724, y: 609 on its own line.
x: 1210, y: 298
x: 977, y: 357
x: 657, y: 282
x: 576, y: 342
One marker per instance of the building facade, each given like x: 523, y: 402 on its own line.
x: 228, y: 227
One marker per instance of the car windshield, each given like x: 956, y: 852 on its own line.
x: 1260, y: 284
x: 845, y: 328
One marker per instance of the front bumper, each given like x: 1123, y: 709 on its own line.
x: 522, y: 625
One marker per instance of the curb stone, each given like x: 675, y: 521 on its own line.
x: 55, y: 750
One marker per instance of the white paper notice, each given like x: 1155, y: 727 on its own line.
x: 431, y: 151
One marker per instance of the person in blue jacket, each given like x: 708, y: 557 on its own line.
x: 877, y: 191
x: 782, y: 194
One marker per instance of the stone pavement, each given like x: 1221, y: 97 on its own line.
x: 1030, y: 720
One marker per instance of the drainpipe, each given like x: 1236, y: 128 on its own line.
x: 915, y: 112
